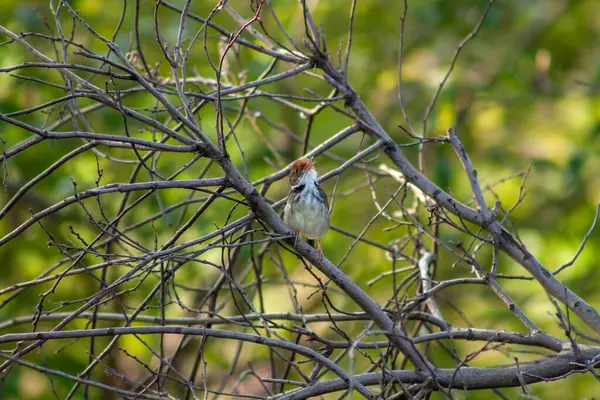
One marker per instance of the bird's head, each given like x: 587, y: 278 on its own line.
x: 301, y: 171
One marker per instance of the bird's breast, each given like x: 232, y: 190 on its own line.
x: 307, y: 212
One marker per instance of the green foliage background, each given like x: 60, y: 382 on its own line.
x: 524, y: 92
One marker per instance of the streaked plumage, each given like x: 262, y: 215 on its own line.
x: 307, y: 209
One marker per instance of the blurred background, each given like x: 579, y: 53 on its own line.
x: 523, y: 97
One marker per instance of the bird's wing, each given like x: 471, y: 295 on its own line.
x: 323, y: 194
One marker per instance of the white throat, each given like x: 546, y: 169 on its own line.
x: 307, y: 177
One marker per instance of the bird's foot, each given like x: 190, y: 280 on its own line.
x: 320, y: 250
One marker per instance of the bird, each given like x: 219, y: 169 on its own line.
x: 307, y: 208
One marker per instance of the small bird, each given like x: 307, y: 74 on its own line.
x: 307, y: 209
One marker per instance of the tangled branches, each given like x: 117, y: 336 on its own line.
x: 170, y: 265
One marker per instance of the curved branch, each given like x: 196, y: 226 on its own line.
x: 111, y: 188
x: 201, y: 332
x: 504, y: 239
x: 465, y: 378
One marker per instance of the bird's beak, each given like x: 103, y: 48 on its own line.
x: 309, y: 165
